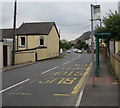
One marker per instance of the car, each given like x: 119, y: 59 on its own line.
x: 68, y: 51
x: 79, y: 51
x: 75, y: 50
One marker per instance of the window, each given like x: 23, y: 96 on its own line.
x: 22, y: 41
x: 41, y: 41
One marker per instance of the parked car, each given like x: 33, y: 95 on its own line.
x: 75, y: 50
x: 79, y: 51
x: 68, y: 51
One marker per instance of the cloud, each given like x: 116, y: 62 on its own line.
x: 73, y: 18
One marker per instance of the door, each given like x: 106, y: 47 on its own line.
x: 4, y: 55
x: 35, y: 56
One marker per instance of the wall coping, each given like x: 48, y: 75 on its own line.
x: 115, y: 56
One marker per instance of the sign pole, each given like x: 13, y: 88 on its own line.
x: 97, y: 57
x: 92, y: 43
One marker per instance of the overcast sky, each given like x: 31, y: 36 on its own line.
x: 72, y: 18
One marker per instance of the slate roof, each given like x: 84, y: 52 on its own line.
x: 7, y: 33
x: 42, y: 28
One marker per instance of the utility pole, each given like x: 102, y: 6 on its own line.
x: 14, y: 33
x: 92, y: 43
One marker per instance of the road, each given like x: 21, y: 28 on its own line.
x: 53, y: 82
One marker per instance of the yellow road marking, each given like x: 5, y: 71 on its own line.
x: 18, y: 88
x: 61, y: 81
x: 62, y: 94
x: 53, y: 80
x: 70, y: 73
x: 57, y: 73
x: 69, y: 81
x: 79, y: 84
x: 65, y: 73
x: 23, y: 93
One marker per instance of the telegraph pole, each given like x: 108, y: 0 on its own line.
x: 92, y: 43
x: 14, y: 33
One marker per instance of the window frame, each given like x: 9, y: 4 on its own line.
x: 22, y: 42
x: 42, y: 37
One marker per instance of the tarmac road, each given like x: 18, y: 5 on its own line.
x: 53, y: 82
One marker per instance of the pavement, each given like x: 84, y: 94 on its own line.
x: 17, y: 66
x: 25, y: 64
x: 104, y: 91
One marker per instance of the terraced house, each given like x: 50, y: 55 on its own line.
x: 36, y: 41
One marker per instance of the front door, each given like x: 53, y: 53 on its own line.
x: 4, y: 55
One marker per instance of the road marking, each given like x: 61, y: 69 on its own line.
x: 23, y: 93
x: 74, y: 59
x: 66, y: 62
x: 79, y: 99
x: 34, y: 81
x: 14, y: 85
x: 49, y: 70
x: 18, y: 88
x: 57, y: 73
x: 70, y: 73
x: 61, y: 81
x: 82, y: 79
x: 62, y: 94
x: 82, y: 88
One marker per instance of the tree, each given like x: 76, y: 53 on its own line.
x: 64, y: 44
x: 112, y: 25
x: 82, y: 45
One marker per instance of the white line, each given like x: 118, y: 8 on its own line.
x: 74, y: 59
x: 79, y: 99
x: 66, y: 62
x: 81, y: 92
x: 49, y: 70
x: 78, y: 57
x: 14, y: 85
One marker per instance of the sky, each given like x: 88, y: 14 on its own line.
x: 72, y: 18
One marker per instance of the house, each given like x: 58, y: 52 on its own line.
x: 1, y: 52
x: 7, y: 35
x: 36, y: 41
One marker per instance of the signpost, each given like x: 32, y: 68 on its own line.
x: 95, y: 15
